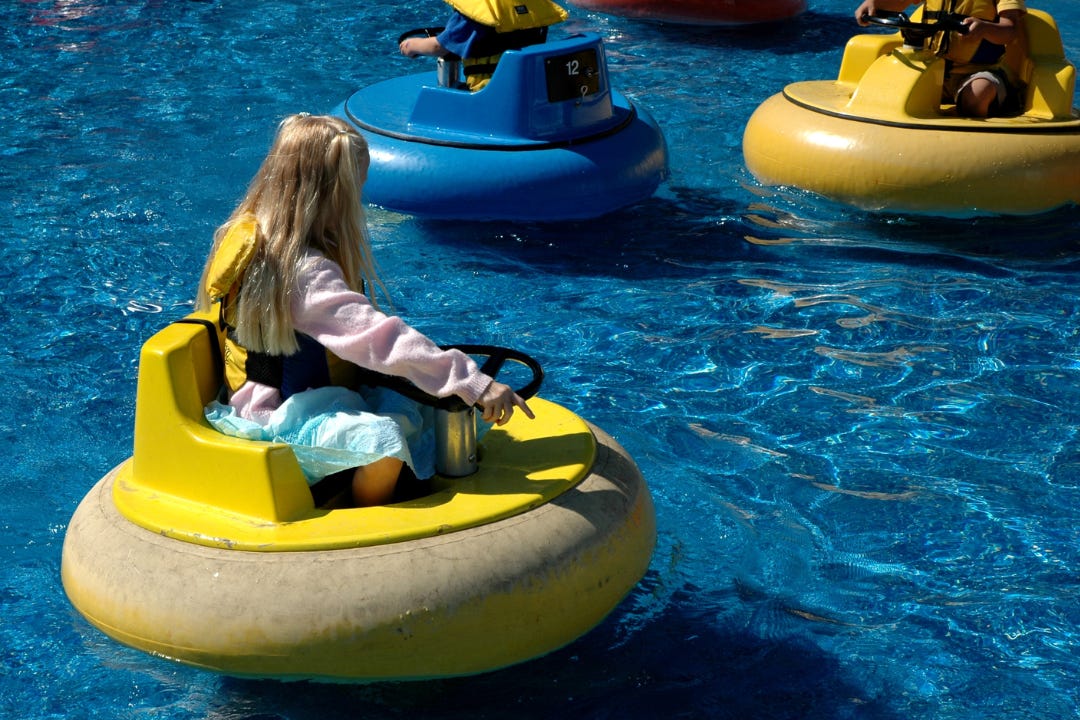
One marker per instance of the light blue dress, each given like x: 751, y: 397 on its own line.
x: 333, y: 428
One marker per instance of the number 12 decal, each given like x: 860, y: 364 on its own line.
x: 573, y: 76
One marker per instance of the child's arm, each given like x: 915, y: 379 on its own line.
x: 414, y: 47
x: 1001, y: 32
x: 344, y: 322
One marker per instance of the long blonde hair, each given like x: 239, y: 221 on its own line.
x: 305, y: 194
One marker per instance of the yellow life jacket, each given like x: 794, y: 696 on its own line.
x: 310, y: 367
x: 510, y: 15
x: 962, y: 49
x: 478, y: 70
x: 522, y: 22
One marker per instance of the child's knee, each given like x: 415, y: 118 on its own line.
x: 374, y: 484
x: 980, y: 95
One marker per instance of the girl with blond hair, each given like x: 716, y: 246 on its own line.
x: 292, y: 274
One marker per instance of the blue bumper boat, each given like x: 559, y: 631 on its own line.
x: 546, y: 140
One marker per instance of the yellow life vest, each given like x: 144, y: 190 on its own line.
x: 478, y: 71
x: 962, y: 49
x: 506, y: 17
x: 510, y: 15
x: 311, y: 366
x: 223, y: 278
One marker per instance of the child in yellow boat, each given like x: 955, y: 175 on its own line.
x: 977, y: 79
x: 479, y: 32
x: 289, y: 269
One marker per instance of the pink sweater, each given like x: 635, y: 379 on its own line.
x: 345, y: 323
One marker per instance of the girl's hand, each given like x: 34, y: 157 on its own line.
x: 498, y: 402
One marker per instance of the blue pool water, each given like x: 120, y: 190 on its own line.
x: 860, y: 431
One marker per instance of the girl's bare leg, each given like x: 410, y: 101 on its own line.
x: 374, y: 484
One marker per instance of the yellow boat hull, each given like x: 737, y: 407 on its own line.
x: 898, y: 168
x: 880, y: 138
x: 464, y: 603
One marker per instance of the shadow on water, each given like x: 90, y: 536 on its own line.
x: 658, y: 238
x: 683, y: 232
x: 678, y: 666
x: 823, y: 225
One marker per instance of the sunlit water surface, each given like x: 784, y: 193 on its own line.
x: 860, y: 431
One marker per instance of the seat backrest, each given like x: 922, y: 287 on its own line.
x: 1039, y: 60
x: 860, y: 53
x: 178, y: 453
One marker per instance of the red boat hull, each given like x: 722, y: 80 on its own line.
x: 700, y: 12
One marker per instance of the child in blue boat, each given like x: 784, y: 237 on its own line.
x: 479, y: 32
x: 977, y: 78
x: 289, y: 269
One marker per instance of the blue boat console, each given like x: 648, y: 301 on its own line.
x: 547, y: 139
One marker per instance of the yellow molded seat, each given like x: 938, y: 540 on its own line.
x: 1038, y: 57
x: 178, y: 453
x: 1050, y: 77
x: 188, y: 481
x: 860, y: 53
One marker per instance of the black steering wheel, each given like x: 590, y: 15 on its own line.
x: 419, y: 32
x: 916, y: 33
x: 423, y: 32
x: 496, y: 358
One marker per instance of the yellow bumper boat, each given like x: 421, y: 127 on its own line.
x: 211, y: 550
x: 879, y: 138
